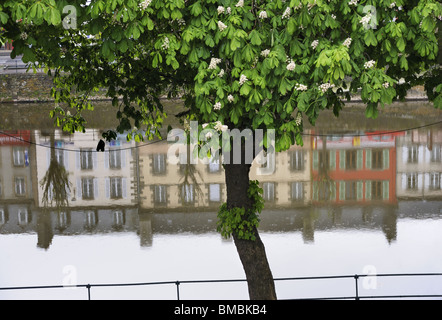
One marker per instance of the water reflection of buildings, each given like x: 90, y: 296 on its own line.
x: 332, y: 182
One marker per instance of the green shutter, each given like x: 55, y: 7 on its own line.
x: 386, y: 189
x: 341, y: 190
x: 368, y: 157
x: 359, y: 190
x: 342, y: 159
x: 332, y: 160
x: 315, y: 191
x: 368, y: 190
x: 359, y: 159
x: 333, y: 190
x: 386, y: 158
x: 315, y: 159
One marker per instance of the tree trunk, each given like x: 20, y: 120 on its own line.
x: 251, y: 253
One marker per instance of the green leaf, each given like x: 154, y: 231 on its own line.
x: 401, y: 44
x: 55, y: 16
x: 3, y: 17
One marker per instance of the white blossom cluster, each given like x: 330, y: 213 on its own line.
x: 240, y: 4
x: 366, y: 19
x: 353, y: 3
x: 220, y: 127
x: 214, y: 63
x: 369, y: 64
x: 165, y: 44
x: 286, y: 13
x: 325, y: 86
x: 263, y: 14
x: 298, y: 120
x: 315, y: 44
x: 24, y: 36
x: 230, y: 98
x: 300, y: 87
x: 392, y: 5
x: 242, y: 80
x: 217, y: 106
x: 385, y: 85
x: 291, y: 65
x: 221, y: 26
x: 221, y: 73
x: 265, y: 52
x: 347, y: 42
x: 221, y: 9
x: 144, y: 4
x: 333, y: 16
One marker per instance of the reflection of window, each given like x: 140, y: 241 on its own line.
x: 435, y: 155
x: 20, y: 186
x: 86, y: 159
x: 350, y: 190
x: 376, y: 190
x: 116, y: 188
x: 412, y: 181
x: 350, y: 159
x: 214, y: 165
x: 160, y: 194
x: 118, y: 218
x: 2, y: 217
x: 377, y: 161
x: 62, y: 220
x: 215, y: 192
x: 159, y: 163
x: 297, y: 160
x: 87, y: 187
x: 18, y: 156
x: 115, y: 159
x: 269, y: 191
x: 91, y: 219
x: 434, y: 181
x: 297, y: 191
x: 187, y: 194
x: 413, y: 152
x: 23, y: 217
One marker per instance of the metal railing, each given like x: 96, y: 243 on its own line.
x: 178, y: 283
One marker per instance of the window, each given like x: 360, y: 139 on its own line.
x: 187, y: 194
x: 350, y: 190
x: 413, y: 152
x: 86, y: 159
x: 18, y: 156
x: 215, y: 192
x: 214, y: 165
x: 350, y: 159
x: 159, y: 163
x: 297, y: 191
x: 116, y: 188
x: 412, y: 181
x: 24, y: 218
x: 20, y: 186
x: 297, y: 160
x: 91, y: 220
x: 434, y: 181
x: 376, y: 190
x: 62, y: 220
x: 115, y: 159
x: 269, y: 191
x: 377, y: 161
x: 118, y: 218
x: 435, y: 155
x: 87, y: 188
x: 160, y: 194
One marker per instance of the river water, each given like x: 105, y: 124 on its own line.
x: 360, y: 197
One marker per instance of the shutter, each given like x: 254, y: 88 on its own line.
x: 66, y: 159
x: 106, y: 159
x: 386, y: 189
x: 342, y: 159
x: 386, y: 158
x: 404, y: 154
x: 48, y: 157
x: 419, y: 181
x: 368, y: 157
x: 359, y: 190
x: 79, y: 190
x: 341, y: 190
x: 420, y: 154
x: 94, y: 161
x: 333, y: 190
x: 332, y: 159
x: 78, y: 159
x: 107, y: 187
x: 315, y: 160
x: 315, y: 191
x: 124, y: 187
x: 427, y: 181
x: 95, y: 188
x: 359, y: 159
x: 428, y: 155
x: 123, y: 158
x: 368, y: 190
x: 404, y: 181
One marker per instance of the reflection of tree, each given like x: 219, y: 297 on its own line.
x: 55, y: 183
x: 190, y: 175
x: 325, y: 184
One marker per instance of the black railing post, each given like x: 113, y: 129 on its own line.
x: 177, y: 290
x: 88, y: 286
x: 356, y: 285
